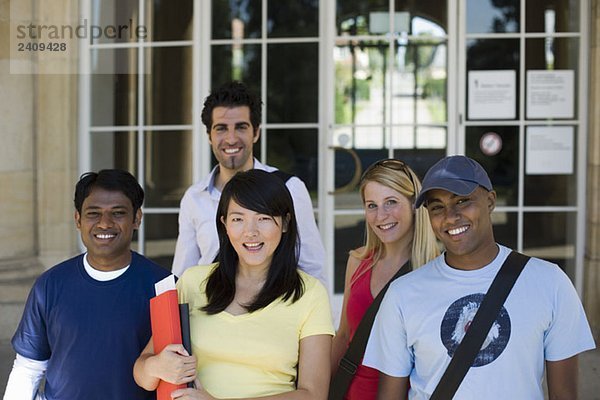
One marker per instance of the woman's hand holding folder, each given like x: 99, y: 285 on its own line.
x: 173, y: 365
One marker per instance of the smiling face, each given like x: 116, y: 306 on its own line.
x: 388, y: 213
x: 106, y: 224
x: 464, y: 225
x: 254, y: 236
x: 232, y: 137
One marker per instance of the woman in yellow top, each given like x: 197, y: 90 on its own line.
x: 260, y: 327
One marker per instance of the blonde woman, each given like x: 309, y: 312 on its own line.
x: 396, y: 234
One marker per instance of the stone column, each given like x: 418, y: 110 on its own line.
x: 38, y: 159
x: 56, y: 136
x: 592, y: 251
x: 17, y: 164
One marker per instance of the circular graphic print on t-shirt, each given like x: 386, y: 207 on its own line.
x: 457, y: 321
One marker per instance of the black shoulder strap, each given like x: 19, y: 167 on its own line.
x: 471, y: 343
x: 356, y: 349
x: 284, y: 176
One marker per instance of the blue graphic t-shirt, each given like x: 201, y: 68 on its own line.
x: 426, y: 313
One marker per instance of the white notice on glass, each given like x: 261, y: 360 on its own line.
x: 549, y: 150
x: 550, y: 94
x: 492, y: 94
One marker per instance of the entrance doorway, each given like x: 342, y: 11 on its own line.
x: 345, y: 84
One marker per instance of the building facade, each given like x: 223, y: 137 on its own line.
x: 512, y: 84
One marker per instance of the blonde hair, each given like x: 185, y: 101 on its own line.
x: 398, y: 176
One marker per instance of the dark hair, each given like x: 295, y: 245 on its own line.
x: 232, y: 94
x: 264, y: 193
x: 109, y: 179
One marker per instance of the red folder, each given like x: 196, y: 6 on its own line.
x: 166, y: 329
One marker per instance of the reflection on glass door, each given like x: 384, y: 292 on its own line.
x: 143, y: 107
x: 390, y: 101
x: 140, y: 95
x: 529, y: 138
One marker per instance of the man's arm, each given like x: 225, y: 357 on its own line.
x: 562, y: 378
x: 312, y: 252
x: 391, y: 387
x: 24, y: 379
x: 187, y: 252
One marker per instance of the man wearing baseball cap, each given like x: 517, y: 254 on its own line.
x: 425, y: 314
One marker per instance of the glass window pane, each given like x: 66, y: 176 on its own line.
x: 552, y: 16
x: 168, y: 163
x: 353, y: 17
x: 170, y: 22
x: 293, y: 18
x: 419, y: 83
x: 420, y: 160
x: 431, y: 137
x: 426, y: 18
x: 490, y: 54
x: 168, y: 86
x: 404, y: 137
x: 113, y: 87
x: 237, y: 62
x: 418, y: 137
x: 236, y: 19
x: 412, y: 73
x: 373, y: 18
x: 295, y: 151
x: 494, y: 55
x: 496, y: 148
x: 114, y: 150
x: 555, y: 54
x: 551, y: 236
x: 114, y: 21
x: 548, y: 188
x: 349, y: 235
x: 349, y: 166
x: 360, y: 70
x: 505, y: 228
x: 489, y: 16
x: 293, y: 82
x: 552, y: 53
x: 360, y: 137
x: 161, y: 234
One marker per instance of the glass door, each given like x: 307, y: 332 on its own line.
x: 141, y: 99
x: 136, y: 108
x: 498, y: 81
x: 390, y: 94
x: 522, y: 116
